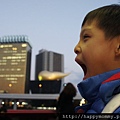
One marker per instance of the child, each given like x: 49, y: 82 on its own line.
x: 98, y: 53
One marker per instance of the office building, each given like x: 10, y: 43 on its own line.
x: 15, y: 64
x: 50, y: 61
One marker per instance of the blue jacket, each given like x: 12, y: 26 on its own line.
x: 99, y: 90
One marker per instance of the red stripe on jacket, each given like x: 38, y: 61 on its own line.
x: 112, y: 78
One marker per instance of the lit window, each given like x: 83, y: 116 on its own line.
x: 24, y: 45
x: 23, y: 50
x: 9, y: 45
x: 18, y: 69
x: 13, y: 81
x: 40, y: 85
x: 2, y: 63
x: 23, y: 60
x: 7, y: 75
x: 9, y: 57
x: 1, y: 46
x: 10, y: 85
x: 14, y: 48
x: 14, y: 63
x: 4, y: 57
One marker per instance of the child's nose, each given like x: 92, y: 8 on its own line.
x: 77, y: 49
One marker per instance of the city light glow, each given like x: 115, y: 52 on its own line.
x: 46, y: 75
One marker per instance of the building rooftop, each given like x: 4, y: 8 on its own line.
x: 14, y: 39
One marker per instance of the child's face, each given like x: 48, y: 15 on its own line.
x: 94, y: 52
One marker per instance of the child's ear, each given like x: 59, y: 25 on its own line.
x: 117, y: 50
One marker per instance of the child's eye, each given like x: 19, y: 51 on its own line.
x: 86, y: 36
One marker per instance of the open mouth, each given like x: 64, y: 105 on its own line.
x: 83, y: 66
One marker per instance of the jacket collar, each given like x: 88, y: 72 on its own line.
x: 94, y: 87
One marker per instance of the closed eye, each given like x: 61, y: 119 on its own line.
x: 85, y: 38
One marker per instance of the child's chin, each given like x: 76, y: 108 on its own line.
x: 84, y: 77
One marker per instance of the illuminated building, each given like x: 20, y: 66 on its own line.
x: 50, y: 61
x: 15, y: 64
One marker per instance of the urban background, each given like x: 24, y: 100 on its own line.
x: 49, y: 24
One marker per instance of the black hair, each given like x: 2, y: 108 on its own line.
x: 70, y: 89
x: 107, y: 18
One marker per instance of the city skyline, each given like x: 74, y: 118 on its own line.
x: 52, y: 25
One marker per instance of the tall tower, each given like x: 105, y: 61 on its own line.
x: 50, y: 61
x: 15, y: 64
